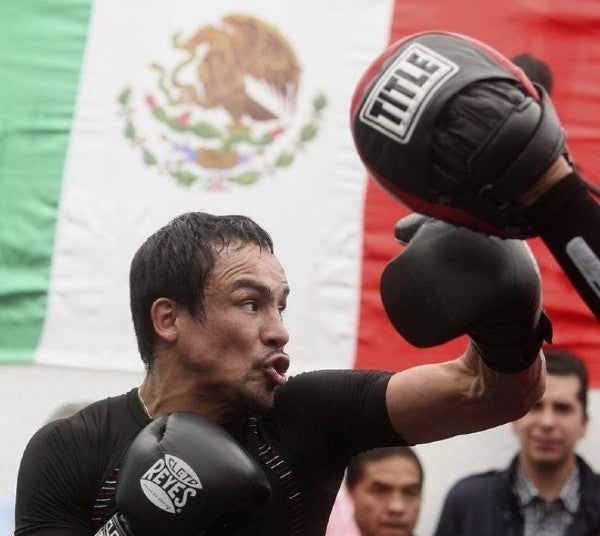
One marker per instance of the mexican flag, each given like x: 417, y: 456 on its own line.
x: 116, y: 117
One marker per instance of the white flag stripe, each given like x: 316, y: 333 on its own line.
x: 111, y: 201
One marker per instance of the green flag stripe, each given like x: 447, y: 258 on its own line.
x: 41, y: 51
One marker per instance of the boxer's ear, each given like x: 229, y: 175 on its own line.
x: 164, y: 319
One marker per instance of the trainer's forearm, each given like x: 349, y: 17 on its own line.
x: 567, y: 218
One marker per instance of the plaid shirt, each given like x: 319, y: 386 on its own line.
x: 550, y: 518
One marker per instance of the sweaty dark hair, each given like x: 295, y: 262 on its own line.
x: 560, y: 362
x: 356, y: 467
x: 176, y: 262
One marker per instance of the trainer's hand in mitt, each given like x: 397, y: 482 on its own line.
x: 450, y: 281
x: 454, y: 130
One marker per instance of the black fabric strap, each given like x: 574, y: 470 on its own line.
x: 543, y: 148
x: 279, y: 466
x: 104, y: 504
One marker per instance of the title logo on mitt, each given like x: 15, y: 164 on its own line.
x: 395, y: 103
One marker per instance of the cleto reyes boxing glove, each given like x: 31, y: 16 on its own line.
x: 182, y: 474
x: 450, y: 281
x: 453, y: 129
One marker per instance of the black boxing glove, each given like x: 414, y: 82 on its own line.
x: 453, y: 129
x: 451, y: 281
x: 182, y: 474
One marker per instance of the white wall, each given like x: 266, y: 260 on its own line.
x: 29, y: 394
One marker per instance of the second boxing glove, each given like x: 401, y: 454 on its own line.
x: 182, y: 474
x: 451, y: 281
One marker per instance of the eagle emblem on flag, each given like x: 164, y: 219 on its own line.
x: 225, y: 111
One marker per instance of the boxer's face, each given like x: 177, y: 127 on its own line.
x: 236, y: 349
x: 387, y: 498
x: 550, y: 431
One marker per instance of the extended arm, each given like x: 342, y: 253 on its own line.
x: 437, y: 401
x: 449, y: 281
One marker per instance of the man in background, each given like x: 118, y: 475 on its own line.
x: 547, y: 489
x: 385, y: 486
